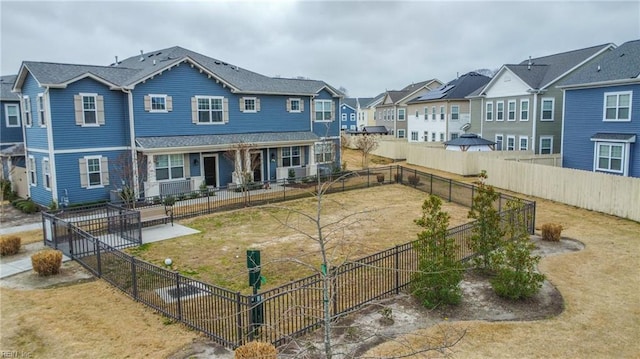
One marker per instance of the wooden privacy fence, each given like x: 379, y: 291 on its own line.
x: 277, y: 315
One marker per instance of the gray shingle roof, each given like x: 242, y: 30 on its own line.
x: 541, y: 72
x: 132, y: 70
x: 455, y: 89
x: 6, y: 83
x: 351, y: 102
x: 364, y: 101
x: 163, y: 142
x: 622, y: 63
x: 626, y: 137
x: 469, y: 139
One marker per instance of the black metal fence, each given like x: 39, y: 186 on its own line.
x: 231, y: 318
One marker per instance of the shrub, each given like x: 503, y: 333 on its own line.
x: 380, y: 177
x: 9, y: 245
x: 47, y: 262
x: 551, y: 232
x: 255, y: 350
x: 169, y: 200
x: 413, y: 180
x: 25, y: 205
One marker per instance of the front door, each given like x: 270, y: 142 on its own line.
x: 256, y: 165
x: 210, y: 171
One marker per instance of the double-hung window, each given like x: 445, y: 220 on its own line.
x: 441, y: 113
x: 323, y: 110
x: 343, y: 117
x: 294, y: 105
x: 12, y: 115
x: 609, y: 157
x: 617, y: 106
x: 414, y: 135
x: 511, y: 110
x: 546, y: 145
x: 489, y: 112
x: 433, y: 137
x: 499, y: 140
x: 401, y: 133
x: 291, y: 156
x: 94, y: 171
x: 500, y: 111
x: 89, y: 110
x: 352, y: 117
x: 455, y: 112
x: 433, y: 113
x: 42, y: 121
x: 426, y: 113
x: 547, y: 109
x: 323, y: 152
x: 46, y: 173
x: 26, y: 108
x: 401, y: 114
x: 210, y: 110
x: 169, y: 167
x: 33, y: 180
x: 425, y: 136
x: 524, y: 143
x: 511, y: 143
x: 524, y: 110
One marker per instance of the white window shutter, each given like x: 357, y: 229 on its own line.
x: 241, y: 104
x: 257, y: 104
x: 84, y: 182
x: 77, y: 102
x: 104, y: 170
x: 225, y: 110
x: 194, y: 110
x: 288, y: 105
x: 100, y: 109
x: 147, y: 103
x: 169, y: 103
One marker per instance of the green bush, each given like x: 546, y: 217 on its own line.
x: 26, y: 205
x: 9, y: 245
x: 7, y: 193
x: 47, y: 262
x: 169, y: 201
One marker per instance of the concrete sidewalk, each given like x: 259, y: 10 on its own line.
x: 22, y: 228
x: 21, y: 264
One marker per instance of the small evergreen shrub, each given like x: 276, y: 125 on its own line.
x: 9, y: 245
x: 26, y: 205
x: 169, y: 201
x: 256, y: 350
x: 414, y: 180
x: 47, y: 262
x: 551, y: 232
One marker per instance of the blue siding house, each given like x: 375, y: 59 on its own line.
x: 11, y: 139
x: 169, y: 121
x: 601, y: 126
x: 348, y: 113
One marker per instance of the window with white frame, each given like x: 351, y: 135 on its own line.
x: 26, y: 109
x: 414, y: 135
x: 433, y: 113
x: 323, y: 110
x: 511, y: 143
x: 546, y: 145
x: 393, y: 114
x: 42, y: 120
x: 617, y: 106
x: 158, y: 103
x: 401, y: 114
x: 417, y: 115
x: 249, y: 104
x: 455, y: 112
x: 169, y: 167
x: 454, y: 135
x: 511, y: 110
x: 547, y: 109
x: 442, y: 113
x: 426, y: 113
x: 352, y: 117
x: 489, y: 112
x: 524, y: 110
x: 33, y: 180
x: 294, y: 105
x: 290, y: 156
x: 12, y: 115
x: 89, y: 110
x: 524, y: 143
x: 344, y: 117
x: 500, y: 111
x: 46, y: 173
x: 441, y: 136
x: 210, y: 110
x: 94, y: 172
x: 609, y: 157
x: 499, y: 139
x: 323, y: 152
x: 425, y: 136
x: 433, y: 137
x: 401, y: 133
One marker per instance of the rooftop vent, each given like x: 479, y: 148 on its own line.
x: 141, y: 55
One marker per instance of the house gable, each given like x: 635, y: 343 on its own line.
x: 506, y: 83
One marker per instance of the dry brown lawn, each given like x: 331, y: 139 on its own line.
x: 382, y: 218
x: 600, y: 285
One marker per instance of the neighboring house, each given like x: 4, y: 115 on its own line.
x: 348, y: 113
x: 392, y: 109
x: 469, y: 142
x: 601, y: 129
x: 369, y: 110
x: 11, y: 149
x: 364, y: 113
x: 521, y: 107
x: 443, y: 113
x: 176, y: 113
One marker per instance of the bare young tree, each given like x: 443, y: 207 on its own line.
x: 129, y: 180
x: 244, y: 165
x: 366, y: 144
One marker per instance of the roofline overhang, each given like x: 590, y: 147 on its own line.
x: 629, y: 81
x: 221, y: 147
x: 22, y: 75
x: 608, y: 47
x: 24, y: 69
x: 631, y: 139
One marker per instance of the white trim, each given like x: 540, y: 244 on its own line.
x: 95, y: 109
x: 514, y: 147
x: 151, y: 96
x: 33, y: 180
x: 291, y: 104
x: 18, y: 115
x: 550, y: 142
x: 404, y: 114
x: 526, y: 138
x: 255, y: 104
x: 528, y: 110
x: 26, y: 110
x: 498, y: 111
x: 501, y: 141
x: 624, y: 160
x: 443, y: 113
x: 487, y: 112
x: 553, y: 109
x: 82, y: 150
x: 609, y: 46
x: 44, y: 174
x: 42, y: 111
x: 515, y: 110
x: 331, y: 111
x: 456, y: 113
x: 221, y: 122
x: 94, y: 157
x: 402, y: 134
x: 617, y: 94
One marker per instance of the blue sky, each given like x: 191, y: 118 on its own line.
x: 366, y: 47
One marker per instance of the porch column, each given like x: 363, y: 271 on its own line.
x: 247, y: 165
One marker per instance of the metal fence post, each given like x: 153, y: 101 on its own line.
x: 239, y: 328
x: 397, y: 267
x: 179, y: 296
x: 70, y: 233
x: 99, y: 260
x: 450, y: 185
x: 134, y: 279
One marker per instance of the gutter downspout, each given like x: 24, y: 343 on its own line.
x: 24, y: 140
x: 132, y: 144
x: 562, y: 127
x: 52, y: 158
x: 533, y: 123
x: 482, y: 116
